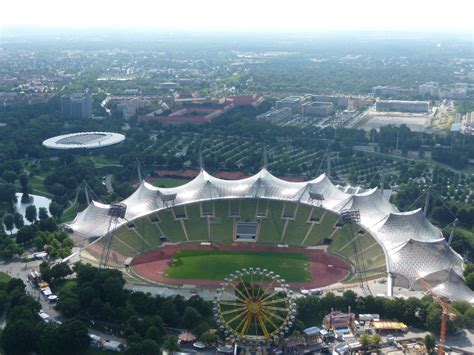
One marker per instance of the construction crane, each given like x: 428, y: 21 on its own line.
x: 445, y: 315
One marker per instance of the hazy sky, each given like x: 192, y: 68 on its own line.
x: 243, y: 15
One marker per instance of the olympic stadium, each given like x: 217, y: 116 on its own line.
x: 213, y: 219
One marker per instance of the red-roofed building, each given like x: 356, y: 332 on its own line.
x: 200, y: 111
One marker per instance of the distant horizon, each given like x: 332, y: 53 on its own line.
x: 376, y: 33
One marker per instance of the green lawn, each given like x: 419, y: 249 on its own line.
x: 37, y: 186
x: 218, y: 264
x: 70, y: 213
x: 165, y: 182
x: 100, y: 161
x: 4, y: 278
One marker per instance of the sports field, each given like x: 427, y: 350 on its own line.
x: 207, y: 266
x: 218, y: 264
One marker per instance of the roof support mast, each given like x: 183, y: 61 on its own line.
x: 139, y: 172
x: 265, y: 157
x: 451, y: 235
x: 427, y: 203
x: 328, y: 161
x: 200, y: 159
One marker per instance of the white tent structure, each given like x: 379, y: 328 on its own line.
x: 413, y: 247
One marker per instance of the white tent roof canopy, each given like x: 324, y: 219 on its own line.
x: 414, y: 248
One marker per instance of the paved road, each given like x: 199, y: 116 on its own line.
x: 167, y: 291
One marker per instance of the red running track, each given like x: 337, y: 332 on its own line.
x: 153, y: 265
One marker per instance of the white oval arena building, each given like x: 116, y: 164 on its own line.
x: 83, y: 140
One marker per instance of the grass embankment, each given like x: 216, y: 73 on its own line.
x: 4, y: 277
x: 218, y: 264
x: 165, y: 182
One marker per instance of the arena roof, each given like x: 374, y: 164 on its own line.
x: 83, y: 140
x: 413, y: 247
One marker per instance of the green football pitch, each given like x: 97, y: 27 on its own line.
x: 218, y: 264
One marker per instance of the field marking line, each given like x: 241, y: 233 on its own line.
x: 184, y: 229
x: 141, y: 237
x: 310, y: 228
x: 284, y: 229
x: 124, y: 243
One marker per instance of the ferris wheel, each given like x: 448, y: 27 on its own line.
x: 254, y: 305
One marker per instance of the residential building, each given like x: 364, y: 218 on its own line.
x: 457, y: 91
x: 293, y: 102
x: 317, y: 108
x: 276, y: 115
x: 393, y: 92
x: 342, y: 101
x: 76, y: 106
x: 430, y: 90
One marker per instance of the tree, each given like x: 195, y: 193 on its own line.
x: 3, y: 301
x: 376, y: 340
x: 45, y: 271
x: 19, y: 222
x: 49, y: 339
x: 7, y: 193
x: 38, y: 243
x: 169, y: 313
x: 43, y: 214
x: 209, y: 338
x: 60, y: 271
x: 430, y: 343
x: 23, y: 180
x: 18, y: 337
x: 55, y: 209
x: 365, y: 340
x: 69, y: 306
x: 25, y: 198
x: 171, y: 344
x: 25, y: 234
x: 191, y: 317
x: 150, y: 347
x: 153, y: 333
x: 469, y: 279
x: 31, y: 214
x: 201, y: 328
x: 9, y: 222
x: 469, y: 318
x: 143, y: 347
x: 9, y: 176
x: 48, y: 225
x: 74, y: 337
